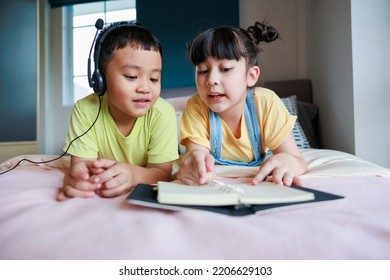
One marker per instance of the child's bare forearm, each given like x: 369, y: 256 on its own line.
x: 153, y: 174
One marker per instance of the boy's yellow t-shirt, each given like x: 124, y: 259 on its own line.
x: 153, y: 138
x: 275, y: 124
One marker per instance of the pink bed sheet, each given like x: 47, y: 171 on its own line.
x: 33, y: 225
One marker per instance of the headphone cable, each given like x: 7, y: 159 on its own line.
x: 66, y: 151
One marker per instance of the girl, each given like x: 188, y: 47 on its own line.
x: 229, y: 121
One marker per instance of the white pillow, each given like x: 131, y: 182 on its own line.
x: 179, y: 103
x: 299, y: 136
x: 182, y: 149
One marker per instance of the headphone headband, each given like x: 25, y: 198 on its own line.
x: 97, y: 80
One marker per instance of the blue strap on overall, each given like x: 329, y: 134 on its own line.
x: 253, y: 132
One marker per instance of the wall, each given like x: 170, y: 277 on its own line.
x: 18, y: 74
x: 343, y: 47
x: 349, y: 52
x: 371, y: 83
x: 285, y: 58
x: 18, y: 78
x: 330, y: 68
x: 177, y: 22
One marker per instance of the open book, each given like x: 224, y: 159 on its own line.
x: 146, y: 195
x: 218, y: 193
x: 232, y: 194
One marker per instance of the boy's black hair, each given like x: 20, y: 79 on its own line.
x: 231, y: 43
x: 119, y: 35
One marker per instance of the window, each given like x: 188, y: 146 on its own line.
x: 79, y: 26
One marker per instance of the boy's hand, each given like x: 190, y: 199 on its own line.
x: 116, y: 177
x: 109, y: 178
x: 196, y: 168
x: 78, y: 182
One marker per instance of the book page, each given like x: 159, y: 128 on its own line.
x: 176, y: 193
x: 218, y: 193
x: 263, y: 193
x: 269, y: 193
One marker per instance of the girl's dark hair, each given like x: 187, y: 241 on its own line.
x: 231, y: 43
x: 119, y: 35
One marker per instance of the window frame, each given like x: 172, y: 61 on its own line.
x: 67, y: 59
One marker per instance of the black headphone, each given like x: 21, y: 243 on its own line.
x: 97, y: 81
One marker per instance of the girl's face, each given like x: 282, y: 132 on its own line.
x: 222, y: 84
x: 133, y: 82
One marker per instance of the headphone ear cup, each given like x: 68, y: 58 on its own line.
x: 99, y: 82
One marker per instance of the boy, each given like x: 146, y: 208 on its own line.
x: 134, y: 139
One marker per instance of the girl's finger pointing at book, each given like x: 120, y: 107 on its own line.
x: 265, y: 169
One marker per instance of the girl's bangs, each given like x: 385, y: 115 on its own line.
x: 223, y: 43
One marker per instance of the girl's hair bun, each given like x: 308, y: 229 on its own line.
x: 262, y: 33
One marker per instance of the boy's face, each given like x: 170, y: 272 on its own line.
x: 133, y: 78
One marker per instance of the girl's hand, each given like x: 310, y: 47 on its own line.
x: 283, y: 166
x: 196, y: 168
x: 279, y: 168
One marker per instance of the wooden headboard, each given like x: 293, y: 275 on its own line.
x: 307, y: 113
x: 301, y: 88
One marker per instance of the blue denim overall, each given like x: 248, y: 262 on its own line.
x: 253, y: 132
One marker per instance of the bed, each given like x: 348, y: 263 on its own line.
x: 33, y: 225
